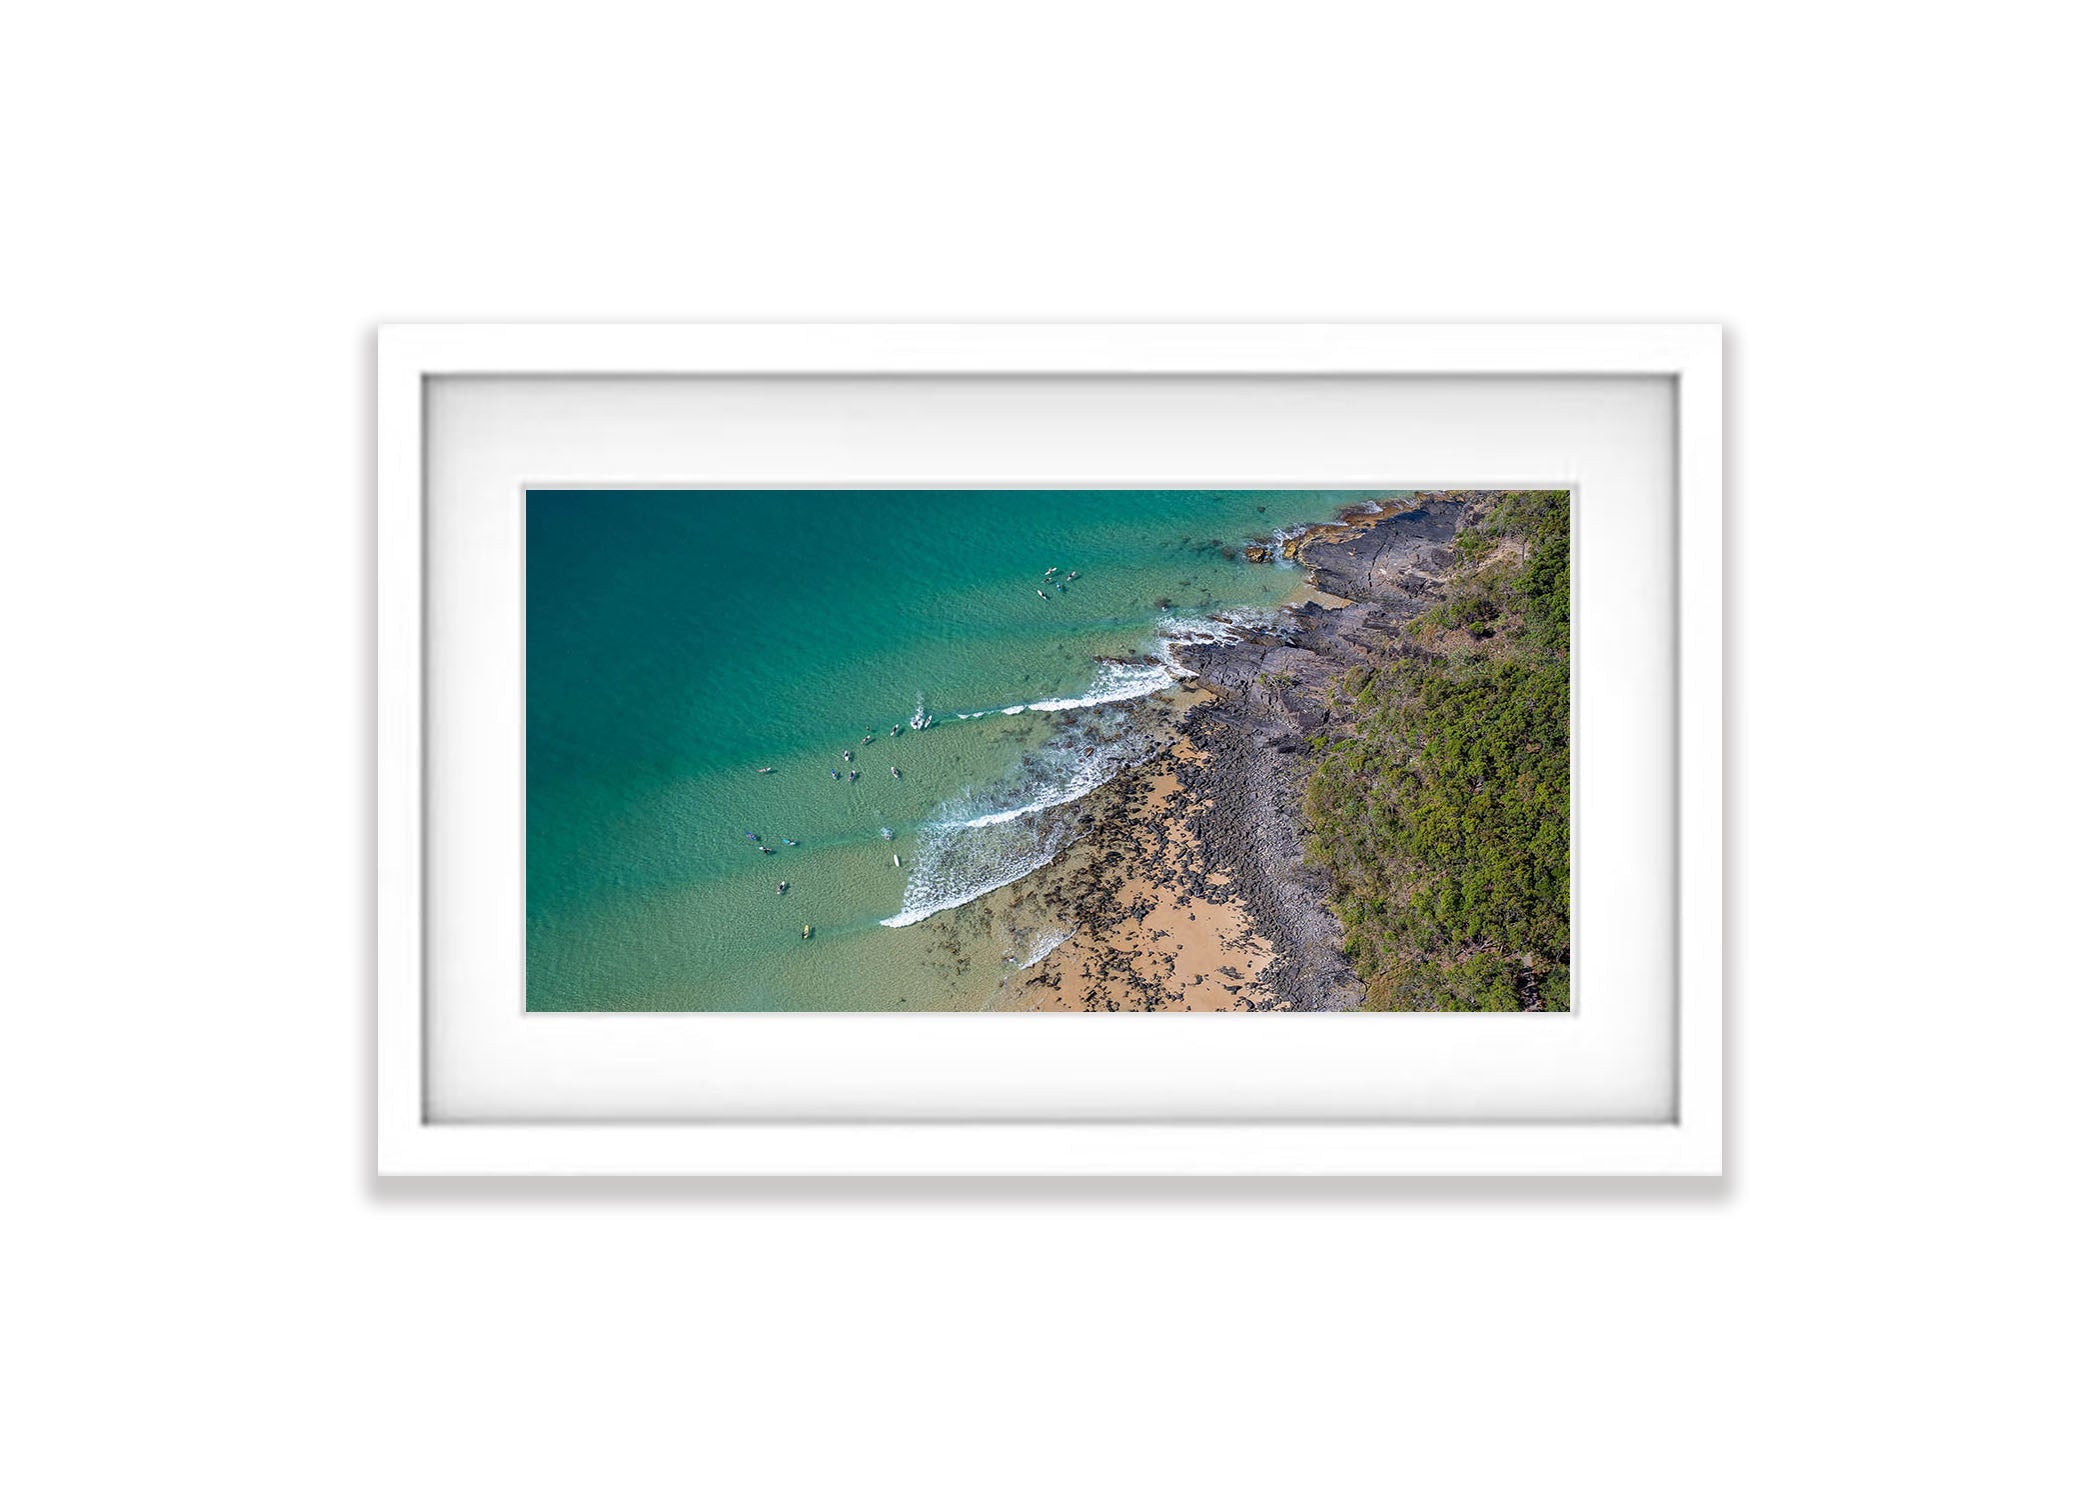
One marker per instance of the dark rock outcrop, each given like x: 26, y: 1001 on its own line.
x: 1396, y: 561
x: 1274, y: 693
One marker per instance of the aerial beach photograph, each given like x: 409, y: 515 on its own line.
x: 1031, y: 750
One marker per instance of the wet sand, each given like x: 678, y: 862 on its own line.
x: 1154, y: 921
x: 1186, y: 887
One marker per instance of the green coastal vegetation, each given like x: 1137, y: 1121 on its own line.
x: 690, y: 808
x: 1441, y: 803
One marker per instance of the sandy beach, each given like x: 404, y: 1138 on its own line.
x: 1154, y: 923
x: 1187, y: 887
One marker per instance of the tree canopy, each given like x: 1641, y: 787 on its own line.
x: 1443, y: 811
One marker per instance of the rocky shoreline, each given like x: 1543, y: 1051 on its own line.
x: 1271, y: 694
x: 1188, y: 887
x: 1138, y: 914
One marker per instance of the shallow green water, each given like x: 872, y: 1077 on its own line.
x: 678, y: 642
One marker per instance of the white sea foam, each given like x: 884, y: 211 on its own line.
x: 1120, y: 681
x: 993, y: 820
x: 1224, y: 626
x: 955, y: 863
x: 975, y: 844
x: 1076, y: 781
x: 1041, y: 945
x: 1210, y: 630
x: 1114, y: 681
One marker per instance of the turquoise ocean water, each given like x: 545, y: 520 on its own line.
x: 679, y: 641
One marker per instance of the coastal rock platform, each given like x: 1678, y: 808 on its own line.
x: 1188, y: 886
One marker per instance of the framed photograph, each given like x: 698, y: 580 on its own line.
x: 1038, y: 749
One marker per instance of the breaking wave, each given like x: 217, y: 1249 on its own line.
x: 1114, y: 681
x: 974, y: 844
x: 1040, y: 946
x: 1119, y: 681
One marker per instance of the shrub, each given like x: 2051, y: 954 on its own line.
x: 1444, y: 818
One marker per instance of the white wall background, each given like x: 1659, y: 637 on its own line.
x: 210, y: 205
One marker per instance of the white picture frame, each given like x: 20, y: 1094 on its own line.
x: 1688, y: 1141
